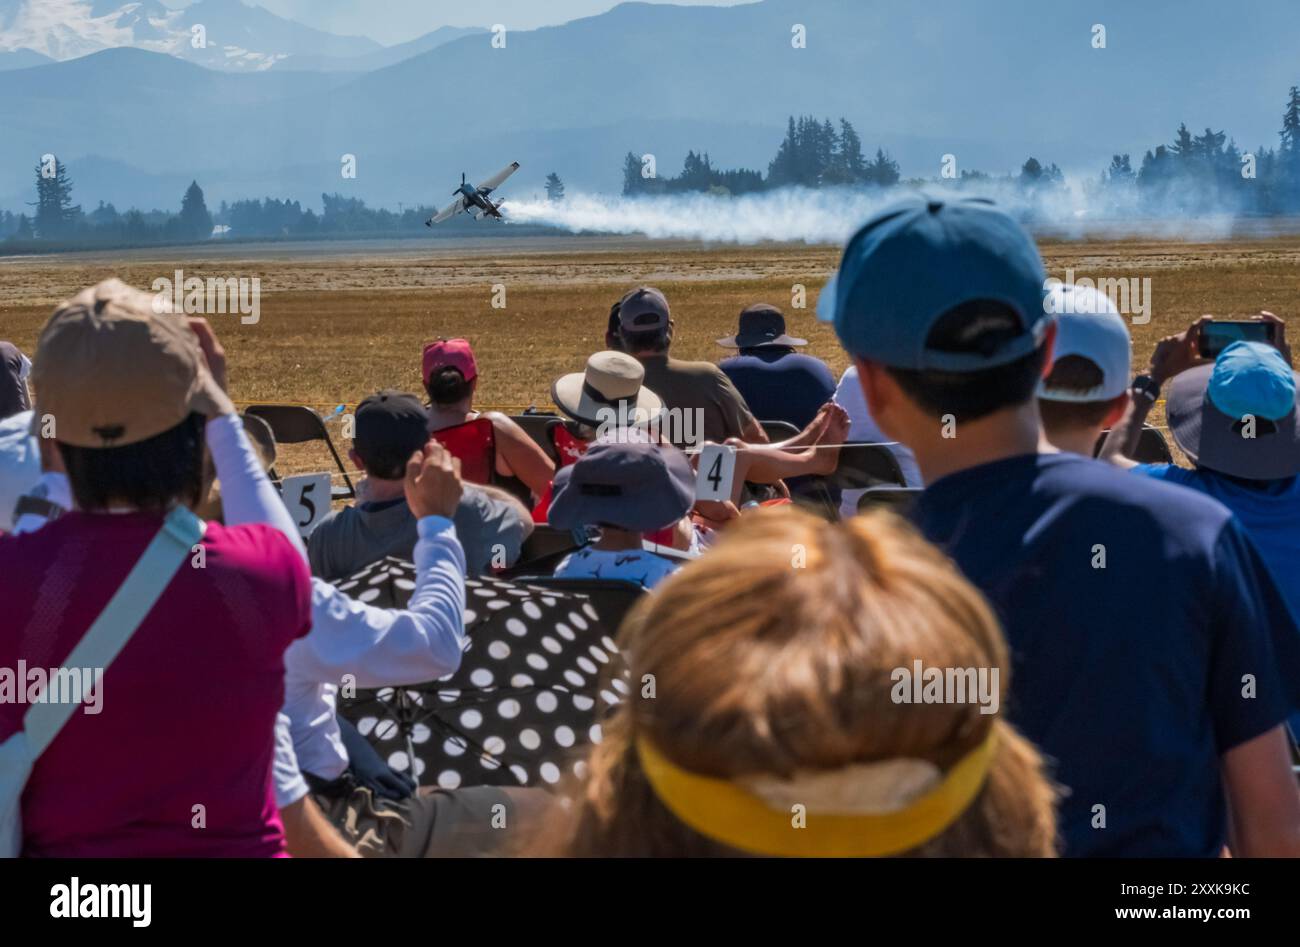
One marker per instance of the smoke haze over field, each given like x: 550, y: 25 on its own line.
x: 831, y: 215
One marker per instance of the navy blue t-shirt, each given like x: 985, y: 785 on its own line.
x: 1130, y: 676
x: 779, y: 385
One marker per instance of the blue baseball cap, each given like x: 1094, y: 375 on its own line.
x: 1238, y: 415
x: 924, y: 256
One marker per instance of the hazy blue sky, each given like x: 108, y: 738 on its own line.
x: 401, y: 20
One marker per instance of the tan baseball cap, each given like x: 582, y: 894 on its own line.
x: 114, y: 366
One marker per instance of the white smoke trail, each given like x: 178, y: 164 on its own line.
x: 830, y: 215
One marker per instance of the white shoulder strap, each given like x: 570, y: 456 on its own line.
x: 123, y: 614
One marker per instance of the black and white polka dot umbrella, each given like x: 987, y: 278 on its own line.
x: 539, y: 672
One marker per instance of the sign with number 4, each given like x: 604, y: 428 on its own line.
x: 308, y: 499
x: 716, y: 472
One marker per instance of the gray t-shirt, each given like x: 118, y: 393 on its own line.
x: 350, y: 539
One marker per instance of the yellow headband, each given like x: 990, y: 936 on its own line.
x: 727, y: 813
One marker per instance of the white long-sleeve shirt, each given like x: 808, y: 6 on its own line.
x: 376, y: 647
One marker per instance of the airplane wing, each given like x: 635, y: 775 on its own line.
x: 451, y: 210
x: 494, y: 182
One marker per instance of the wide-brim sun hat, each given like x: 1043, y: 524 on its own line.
x: 609, y: 391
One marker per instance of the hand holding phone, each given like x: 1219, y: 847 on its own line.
x: 1217, y: 334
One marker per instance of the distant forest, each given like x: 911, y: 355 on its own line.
x: 812, y: 154
x: 1192, y: 174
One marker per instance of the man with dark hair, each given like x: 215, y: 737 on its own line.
x: 127, y: 392
x: 390, y: 427
x: 776, y: 381
x: 1154, y: 656
x: 690, y: 390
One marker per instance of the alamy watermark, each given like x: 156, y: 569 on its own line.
x: 934, y: 685
x: 196, y: 296
x: 36, y: 685
x: 621, y: 424
x: 1129, y: 295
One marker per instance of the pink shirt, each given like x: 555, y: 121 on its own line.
x: 187, y: 708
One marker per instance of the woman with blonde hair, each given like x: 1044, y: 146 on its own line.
x: 792, y: 696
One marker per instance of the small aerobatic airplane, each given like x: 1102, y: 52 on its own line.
x: 474, y: 200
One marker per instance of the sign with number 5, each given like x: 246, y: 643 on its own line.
x: 717, y: 470
x: 307, y: 498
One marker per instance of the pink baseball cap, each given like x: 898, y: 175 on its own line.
x: 449, y: 353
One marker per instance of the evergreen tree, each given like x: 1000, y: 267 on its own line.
x: 195, y: 221
x: 1120, y: 171
x: 554, y: 187
x: 55, y: 213
x: 1286, y: 178
x: 784, y: 168
x: 847, y: 165
x: 828, y: 146
x: 883, y: 170
x: 633, y: 183
x: 1291, y: 123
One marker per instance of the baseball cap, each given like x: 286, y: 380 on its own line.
x: 449, y: 353
x: 1089, y: 326
x: 628, y: 483
x: 114, y: 366
x: 642, y: 310
x: 922, y: 257
x: 389, y: 421
x: 1238, y: 415
x: 760, y: 325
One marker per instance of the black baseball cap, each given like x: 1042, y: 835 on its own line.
x: 390, y: 424
x: 761, y: 325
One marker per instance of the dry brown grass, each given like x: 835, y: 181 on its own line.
x: 340, y: 321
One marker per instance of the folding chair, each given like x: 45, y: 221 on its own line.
x: 898, y: 499
x: 863, y: 466
x: 299, y: 424
x: 860, y: 467
x: 611, y: 598
x: 474, y: 443
x: 778, y: 430
x: 568, y: 448
x: 1152, y: 448
x: 542, y: 551
x: 539, y: 426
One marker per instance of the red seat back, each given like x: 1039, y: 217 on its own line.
x: 474, y: 443
x: 567, y: 447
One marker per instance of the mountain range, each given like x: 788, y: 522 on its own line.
x: 136, y: 118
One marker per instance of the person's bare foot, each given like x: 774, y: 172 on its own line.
x: 834, y: 433
x: 814, y: 432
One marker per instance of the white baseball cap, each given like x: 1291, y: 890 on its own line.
x: 1089, y: 326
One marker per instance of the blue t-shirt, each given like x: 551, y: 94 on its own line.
x: 1271, y: 515
x: 1133, y: 611
x: 779, y: 385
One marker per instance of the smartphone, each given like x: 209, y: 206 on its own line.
x: 1217, y: 336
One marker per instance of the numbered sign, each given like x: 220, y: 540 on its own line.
x: 307, y: 497
x: 716, y: 472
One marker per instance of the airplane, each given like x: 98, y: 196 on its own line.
x: 474, y: 200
